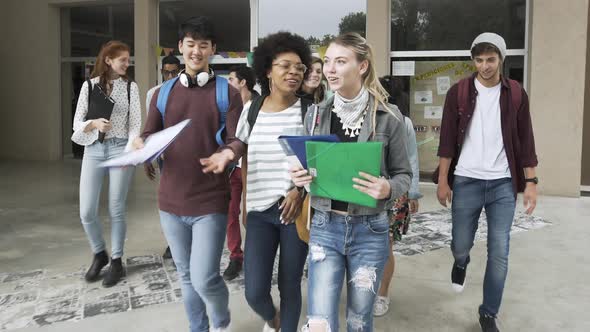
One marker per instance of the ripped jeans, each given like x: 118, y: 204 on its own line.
x: 357, y: 246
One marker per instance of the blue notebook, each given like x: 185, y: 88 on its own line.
x: 295, y: 145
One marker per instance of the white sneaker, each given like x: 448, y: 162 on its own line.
x: 267, y: 328
x: 381, y: 306
x: 222, y: 329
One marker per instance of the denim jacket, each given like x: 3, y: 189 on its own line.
x: 390, y: 130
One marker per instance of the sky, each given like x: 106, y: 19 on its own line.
x: 305, y: 17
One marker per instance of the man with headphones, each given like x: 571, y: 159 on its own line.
x: 194, y: 190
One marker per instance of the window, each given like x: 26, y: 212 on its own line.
x: 230, y: 17
x: 425, y: 25
x: 430, y: 41
x: 93, y: 26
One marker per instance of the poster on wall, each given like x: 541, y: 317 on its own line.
x: 429, y: 86
x: 443, y: 84
x: 423, y: 97
x: 433, y: 112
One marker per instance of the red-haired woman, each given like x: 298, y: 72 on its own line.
x: 110, y: 75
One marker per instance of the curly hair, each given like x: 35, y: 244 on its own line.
x: 273, y: 45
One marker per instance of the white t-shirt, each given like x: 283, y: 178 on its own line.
x: 268, y: 168
x: 483, y: 156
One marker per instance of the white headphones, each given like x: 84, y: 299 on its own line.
x: 201, y: 79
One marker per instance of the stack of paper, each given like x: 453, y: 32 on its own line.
x: 154, y: 146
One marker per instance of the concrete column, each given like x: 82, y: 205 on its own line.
x: 30, y: 105
x: 558, y: 77
x: 146, y: 40
x: 254, y: 5
x: 586, y: 135
x: 379, y: 33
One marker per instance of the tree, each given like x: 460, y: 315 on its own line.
x: 311, y: 40
x: 354, y: 22
x: 327, y: 39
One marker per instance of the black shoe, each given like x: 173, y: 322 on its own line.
x: 233, y: 270
x: 458, y: 277
x: 167, y: 253
x: 99, y: 261
x: 114, y: 273
x: 488, y: 323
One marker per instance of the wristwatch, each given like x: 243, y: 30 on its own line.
x: 534, y: 180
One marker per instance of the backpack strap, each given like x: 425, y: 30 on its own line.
x: 129, y: 92
x: 89, y: 91
x: 129, y: 102
x: 163, y: 96
x: 463, y: 95
x: 222, y: 99
x: 257, y: 105
x: 515, y: 94
x: 254, y: 110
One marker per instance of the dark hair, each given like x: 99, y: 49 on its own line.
x: 170, y: 60
x: 111, y: 49
x: 199, y: 27
x: 245, y: 73
x: 271, y: 46
x: 394, y: 85
x: 482, y: 48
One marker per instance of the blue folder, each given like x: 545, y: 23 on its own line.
x: 295, y: 145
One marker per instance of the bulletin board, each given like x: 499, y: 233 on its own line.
x: 428, y: 90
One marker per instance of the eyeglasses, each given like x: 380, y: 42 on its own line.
x: 286, y: 65
x: 170, y: 72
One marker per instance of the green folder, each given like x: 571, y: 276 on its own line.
x: 333, y: 166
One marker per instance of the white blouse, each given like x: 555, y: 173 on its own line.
x: 122, y: 111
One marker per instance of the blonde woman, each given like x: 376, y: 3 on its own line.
x: 348, y: 239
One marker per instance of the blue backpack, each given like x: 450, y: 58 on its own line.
x: 221, y: 96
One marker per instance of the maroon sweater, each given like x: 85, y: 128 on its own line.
x: 184, y: 189
x: 517, y: 130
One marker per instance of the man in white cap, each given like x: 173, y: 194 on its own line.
x: 487, y: 155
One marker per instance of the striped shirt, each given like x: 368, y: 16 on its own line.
x: 268, y: 170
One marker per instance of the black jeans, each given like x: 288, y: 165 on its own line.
x: 264, y: 234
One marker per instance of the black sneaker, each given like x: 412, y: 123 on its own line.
x: 488, y: 323
x: 167, y: 253
x: 458, y: 277
x: 233, y: 270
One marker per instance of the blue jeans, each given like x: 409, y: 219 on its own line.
x: 355, y: 246
x: 196, y: 244
x: 91, y: 179
x: 264, y: 234
x: 497, y: 197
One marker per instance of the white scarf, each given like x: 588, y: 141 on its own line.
x: 351, y: 112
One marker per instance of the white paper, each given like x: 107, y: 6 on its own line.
x: 443, y: 84
x: 295, y: 163
x: 154, y: 145
x: 404, y: 68
x: 423, y: 97
x: 433, y: 112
